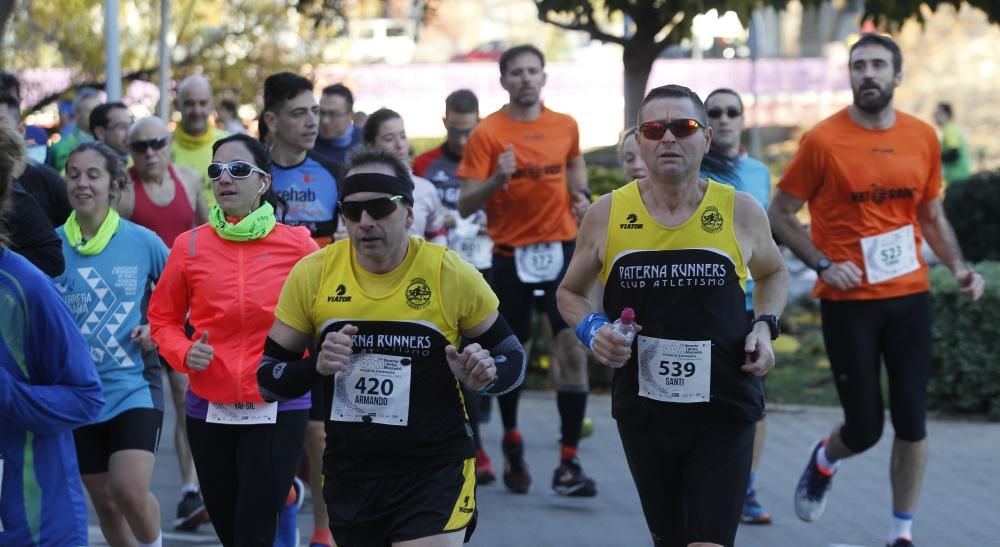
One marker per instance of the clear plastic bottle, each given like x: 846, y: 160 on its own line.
x: 625, y: 326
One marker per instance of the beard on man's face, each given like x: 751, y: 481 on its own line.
x: 873, y: 103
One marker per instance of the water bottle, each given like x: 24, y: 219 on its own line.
x: 625, y: 326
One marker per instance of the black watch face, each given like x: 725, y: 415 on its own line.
x: 822, y: 264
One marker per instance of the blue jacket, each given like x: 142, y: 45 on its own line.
x: 48, y: 388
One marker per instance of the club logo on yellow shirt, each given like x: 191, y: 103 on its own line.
x: 340, y: 297
x: 711, y: 220
x: 418, y: 294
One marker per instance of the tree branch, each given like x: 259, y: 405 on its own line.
x: 590, y: 28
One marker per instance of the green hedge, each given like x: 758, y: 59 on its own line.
x: 973, y: 207
x: 965, y: 370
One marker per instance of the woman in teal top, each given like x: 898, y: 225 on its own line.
x: 111, y: 266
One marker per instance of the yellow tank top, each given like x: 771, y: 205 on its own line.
x: 685, y: 283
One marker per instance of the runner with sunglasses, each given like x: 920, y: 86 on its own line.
x: 168, y: 199
x: 728, y: 162
x: 111, y: 266
x: 678, y: 250
x: 224, y: 277
x: 386, y: 311
x: 523, y: 165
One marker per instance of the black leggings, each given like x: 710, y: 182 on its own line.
x: 691, y: 479
x: 859, y: 335
x: 245, y: 473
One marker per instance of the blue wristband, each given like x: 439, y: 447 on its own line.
x: 588, y: 328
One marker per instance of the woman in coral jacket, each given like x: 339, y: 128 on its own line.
x: 224, y: 278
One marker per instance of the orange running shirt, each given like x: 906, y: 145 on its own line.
x: 535, y: 206
x: 861, y: 183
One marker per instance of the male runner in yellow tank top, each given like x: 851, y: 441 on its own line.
x: 677, y: 249
x: 386, y: 313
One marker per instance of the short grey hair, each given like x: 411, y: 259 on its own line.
x: 83, y: 94
x: 371, y: 154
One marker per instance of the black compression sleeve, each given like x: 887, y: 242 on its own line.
x: 284, y: 375
x: 508, y: 355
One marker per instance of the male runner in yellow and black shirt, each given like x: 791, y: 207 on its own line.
x: 677, y: 249
x: 385, y: 313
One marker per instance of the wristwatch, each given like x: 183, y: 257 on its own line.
x: 822, y: 264
x: 772, y: 324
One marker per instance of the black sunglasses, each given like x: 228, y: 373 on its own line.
x: 731, y: 111
x: 237, y: 169
x: 140, y: 147
x: 680, y: 128
x: 377, y: 208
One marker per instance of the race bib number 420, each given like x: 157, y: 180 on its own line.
x: 375, y: 388
x: 539, y: 263
x: 675, y: 371
x: 890, y: 255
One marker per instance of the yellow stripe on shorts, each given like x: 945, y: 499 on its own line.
x: 465, y: 505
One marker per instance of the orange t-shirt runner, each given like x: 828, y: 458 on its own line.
x: 861, y: 183
x: 535, y: 206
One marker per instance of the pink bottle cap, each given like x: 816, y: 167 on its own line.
x: 628, y: 315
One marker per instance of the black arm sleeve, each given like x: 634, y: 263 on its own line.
x: 508, y: 355
x: 284, y: 375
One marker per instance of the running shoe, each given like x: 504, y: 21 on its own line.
x: 191, y: 512
x: 287, y: 534
x: 515, y: 469
x: 753, y: 512
x: 810, y: 494
x: 570, y: 480
x: 900, y: 542
x: 484, y: 468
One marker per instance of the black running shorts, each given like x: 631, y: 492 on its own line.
x: 377, y: 512
x: 135, y: 429
x: 517, y: 299
x: 691, y: 477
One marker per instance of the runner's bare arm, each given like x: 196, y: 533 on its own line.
x: 474, y: 193
x: 193, y: 185
x: 763, y: 258
x: 941, y: 237
x: 585, y: 266
x: 576, y: 174
x: 789, y: 230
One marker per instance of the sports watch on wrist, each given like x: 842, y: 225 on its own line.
x: 773, y: 324
x: 822, y: 264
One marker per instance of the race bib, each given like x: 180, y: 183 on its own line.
x: 890, y: 255
x: 242, y: 413
x: 476, y: 250
x: 539, y: 263
x: 374, y: 388
x: 675, y: 371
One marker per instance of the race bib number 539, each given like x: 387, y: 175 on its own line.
x: 675, y: 371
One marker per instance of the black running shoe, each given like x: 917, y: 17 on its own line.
x: 570, y: 480
x: 191, y: 512
x: 515, y: 469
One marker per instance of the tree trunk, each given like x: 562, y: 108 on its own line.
x: 638, y: 60
x: 6, y: 11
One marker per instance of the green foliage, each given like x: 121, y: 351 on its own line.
x: 603, y: 180
x: 973, y: 208
x: 965, y: 373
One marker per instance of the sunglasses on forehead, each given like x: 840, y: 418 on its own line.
x: 140, y: 147
x: 237, y: 169
x: 679, y: 127
x: 377, y: 208
x: 455, y: 132
x: 732, y: 112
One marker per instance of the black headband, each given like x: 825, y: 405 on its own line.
x: 377, y: 182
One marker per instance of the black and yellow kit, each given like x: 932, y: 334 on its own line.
x: 687, y: 286
x: 399, y: 407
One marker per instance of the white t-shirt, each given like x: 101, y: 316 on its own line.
x: 428, y: 213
